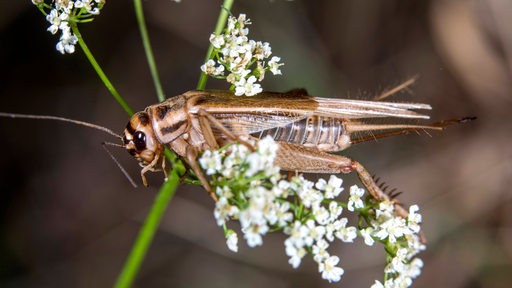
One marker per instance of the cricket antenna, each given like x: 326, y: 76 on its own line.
x: 104, y: 145
x: 81, y: 123
x: 46, y: 117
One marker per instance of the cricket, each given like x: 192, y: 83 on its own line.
x: 308, y: 130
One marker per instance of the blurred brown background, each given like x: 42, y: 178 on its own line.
x: 68, y: 217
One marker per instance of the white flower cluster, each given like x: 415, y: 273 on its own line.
x: 62, y: 12
x: 242, y: 58
x: 251, y: 189
x: 402, y: 238
x: 323, y: 224
x: 241, y: 194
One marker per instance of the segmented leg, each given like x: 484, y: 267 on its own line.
x: 151, y: 167
x: 206, y: 121
x: 192, y: 154
x: 291, y: 157
x: 212, y: 120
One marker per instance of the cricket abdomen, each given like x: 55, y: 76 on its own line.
x: 324, y: 133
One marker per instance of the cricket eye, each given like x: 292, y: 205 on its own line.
x: 139, y: 139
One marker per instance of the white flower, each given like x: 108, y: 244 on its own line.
x: 391, y: 229
x: 253, y: 234
x: 335, y: 211
x: 211, y: 161
x: 224, y: 192
x: 331, y: 189
x: 354, y: 201
x: 223, y: 210
x: 414, y: 269
x: 284, y: 216
x: 414, y: 219
x: 319, y: 250
x: 63, y: 14
x: 315, y: 233
x: 210, y: 69
x: 268, y: 147
x: 367, y: 235
x: 65, y: 5
x: 377, y: 284
x: 274, y: 65
x: 296, y: 255
x: 331, y: 228
x: 253, y: 214
x: 236, y: 26
x: 294, y: 248
x: 304, y: 189
x: 247, y: 87
x: 321, y: 215
x: 297, y: 232
x: 217, y: 41
x: 232, y: 240
x: 329, y: 270
x: 385, y: 210
x: 256, y: 164
x: 262, y: 50
x: 346, y: 234
x: 84, y: 4
x: 242, y: 58
x: 89, y: 5
x: 398, y: 262
x: 414, y: 243
x: 67, y: 42
x: 57, y: 21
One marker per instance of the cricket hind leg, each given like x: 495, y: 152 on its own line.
x: 291, y: 157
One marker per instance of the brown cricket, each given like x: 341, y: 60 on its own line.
x: 308, y: 129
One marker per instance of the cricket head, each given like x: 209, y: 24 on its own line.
x: 140, y: 141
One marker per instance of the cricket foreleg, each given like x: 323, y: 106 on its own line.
x: 159, y: 159
x: 151, y: 167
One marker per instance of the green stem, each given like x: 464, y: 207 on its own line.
x: 221, y: 22
x: 146, y: 234
x: 98, y: 69
x: 149, y: 52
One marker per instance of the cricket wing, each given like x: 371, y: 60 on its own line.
x: 248, y: 115
x: 268, y: 110
x: 359, y: 109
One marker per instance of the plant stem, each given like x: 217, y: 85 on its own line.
x: 147, y: 48
x: 146, y: 234
x: 98, y: 70
x: 221, y: 22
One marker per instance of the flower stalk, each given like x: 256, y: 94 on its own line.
x: 147, y: 48
x: 147, y: 232
x: 99, y: 71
